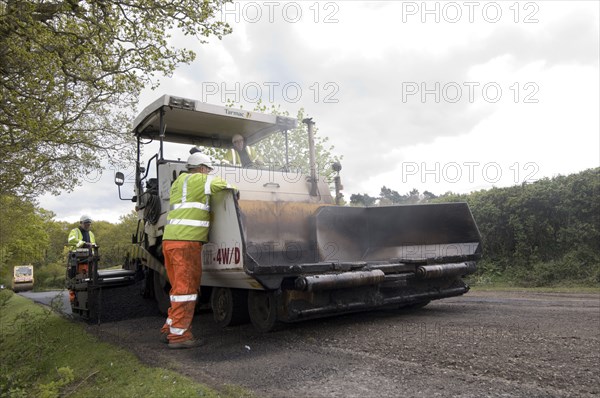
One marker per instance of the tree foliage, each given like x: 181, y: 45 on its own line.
x: 541, y: 233
x: 357, y: 199
x: 273, y: 149
x: 388, y: 196
x: 23, y: 236
x: 115, y: 239
x: 70, y: 74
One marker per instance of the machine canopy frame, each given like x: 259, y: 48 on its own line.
x: 188, y: 121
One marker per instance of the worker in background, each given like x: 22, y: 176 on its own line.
x: 188, y: 223
x: 82, y: 237
x: 241, y: 154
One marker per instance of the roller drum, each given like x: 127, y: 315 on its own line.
x: 23, y: 287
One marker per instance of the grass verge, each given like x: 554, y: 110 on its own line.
x: 44, y: 355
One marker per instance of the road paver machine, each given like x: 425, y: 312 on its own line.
x: 284, y: 251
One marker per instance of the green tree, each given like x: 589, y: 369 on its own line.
x: 389, y: 196
x: 115, y: 239
x: 273, y: 149
x: 413, y: 197
x: 23, y: 236
x: 58, y: 232
x: 543, y: 233
x: 70, y: 74
x: 428, y: 196
x: 362, y: 200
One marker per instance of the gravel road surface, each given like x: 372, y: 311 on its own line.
x: 484, y: 344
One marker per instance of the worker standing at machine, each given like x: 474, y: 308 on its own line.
x: 82, y: 237
x: 188, y: 223
x: 79, y: 239
x: 242, y: 154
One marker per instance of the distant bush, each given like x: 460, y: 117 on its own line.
x: 51, y: 276
x: 546, y: 233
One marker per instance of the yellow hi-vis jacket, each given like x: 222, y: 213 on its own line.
x: 233, y: 157
x: 75, y: 239
x: 189, y: 213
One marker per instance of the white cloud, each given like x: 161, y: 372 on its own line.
x: 97, y: 197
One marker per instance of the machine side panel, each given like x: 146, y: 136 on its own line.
x: 223, y: 256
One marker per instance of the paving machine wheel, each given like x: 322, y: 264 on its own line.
x: 262, y: 307
x: 229, y: 306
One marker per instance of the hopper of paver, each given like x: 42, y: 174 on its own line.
x: 287, y: 239
x: 421, y: 234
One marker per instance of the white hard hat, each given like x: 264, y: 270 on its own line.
x: 197, y: 159
x: 85, y: 218
x: 237, y: 137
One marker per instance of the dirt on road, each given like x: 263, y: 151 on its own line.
x: 483, y: 344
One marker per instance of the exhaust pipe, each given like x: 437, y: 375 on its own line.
x: 312, y: 156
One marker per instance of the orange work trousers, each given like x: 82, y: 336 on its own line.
x: 184, y: 268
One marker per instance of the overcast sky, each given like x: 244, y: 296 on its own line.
x: 438, y: 96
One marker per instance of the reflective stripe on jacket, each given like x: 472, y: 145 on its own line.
x: 75, y: 239
x: 233, y: 157
x: 189, y: 214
